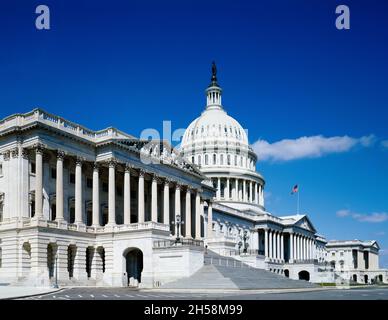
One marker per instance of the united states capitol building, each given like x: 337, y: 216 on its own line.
x: 104, y: 208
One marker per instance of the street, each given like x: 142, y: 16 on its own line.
x: 374, y: 293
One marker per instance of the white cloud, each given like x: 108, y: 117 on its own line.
x: 384, y: 143
x: 308, y: 147
x: 375, y: 217
x: 380, y: 233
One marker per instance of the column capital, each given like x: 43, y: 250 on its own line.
x: 15, y: 152
x: 79, y: 160
x: 25, y: 153
x: 112, y: 162
x: 39, y: 147
x: 178, y: 186
x: 142, y: 172
x: 96, y: 166
x: 61, y: 154
x: 6, y: 155
x: 128, y: 167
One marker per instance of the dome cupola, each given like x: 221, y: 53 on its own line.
x: 219, y: 145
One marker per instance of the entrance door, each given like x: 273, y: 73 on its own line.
x: 134, y: 266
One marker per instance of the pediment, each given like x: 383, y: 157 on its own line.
x: 306, y: 224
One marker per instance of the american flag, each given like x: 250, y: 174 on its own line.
x: 294, y: 189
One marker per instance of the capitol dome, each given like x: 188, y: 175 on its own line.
x: 219, y: 146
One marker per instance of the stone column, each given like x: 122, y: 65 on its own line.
x: 266, y: 253
x: 270, y: 245
x: 210, y: 220
x: 278, y: 246
x: 141, y: 197
x: 96, y: 195
x: 282, y: 246
x: 166, y: 202
x: 291, y: 249
x: 127, y: 194
x: 112, y: 193
x: 59, y: 187
x: 235, y: 195
x: 256, y: 195
x: 78, y: 191
x: 250, y: 192
x: 79, y: 270
x: 297, y: 257
x: 244, y: 191
x: 218, y: 188
x: 227, y: 192
x: 154, y: 199
x: 177, y: 206
x: 197, y: 215
x: 39, y: 181
x: 188, y: 214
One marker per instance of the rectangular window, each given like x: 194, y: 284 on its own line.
x: 72, y: 178
x: 1, y: 211
x: 1, y: 169
x: 33, y: 168
x: 89, y: 183
x: 53, y: 173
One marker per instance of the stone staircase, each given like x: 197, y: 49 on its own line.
x: 227, y: 273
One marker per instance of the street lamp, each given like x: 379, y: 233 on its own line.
x: 178, y: 222
x: 56, y: 272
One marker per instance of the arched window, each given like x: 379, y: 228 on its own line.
x: 206, y: 159
x: 192, y: 159
x: 228, y: 157
x: 235, y: 160
x: 199, y: 160
x: 214, y: 158
x: 222, y: 160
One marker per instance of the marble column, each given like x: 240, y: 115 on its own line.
x: 96, y: 195
x: 278, y: 245
x: 282, y: 246
x: 39, y: 181
x: 235, y: 195
x: 250, y: 192
x: 291, y: 250
x: 297, y: 257
x: 256, y: 195
x: 141, y: 197
x: 188, y: 214
x: 210, y: 220
x: 178, y: 207
x: 59, y: 186
x: 127, y: 194
x: 166, y: 202
x: 218, y: 188
x: 266, y: 253
x: 78, y: 191
x: 197, y: 215
x: 270, y: 244
x: 154, y: 199
x: 244, y: 191
x: 227, y: 188
x: 112, y: 193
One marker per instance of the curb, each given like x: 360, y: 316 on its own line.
x: 32, y: 295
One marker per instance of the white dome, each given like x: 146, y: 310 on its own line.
x: 215, y: 125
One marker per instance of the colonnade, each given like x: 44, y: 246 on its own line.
x: 128, y: 170
x: 237, y: 189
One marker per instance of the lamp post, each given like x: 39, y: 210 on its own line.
x: 56, y: 272
x: 178, y: 222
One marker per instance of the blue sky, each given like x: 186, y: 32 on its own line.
x: 286, y: 72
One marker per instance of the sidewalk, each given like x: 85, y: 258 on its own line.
x: 12, y: 292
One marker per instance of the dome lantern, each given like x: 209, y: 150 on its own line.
x: 213, y: 91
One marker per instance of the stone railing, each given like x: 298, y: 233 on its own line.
x: 42, y: 222
x: 180, y: 243
x: 59, y: 122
